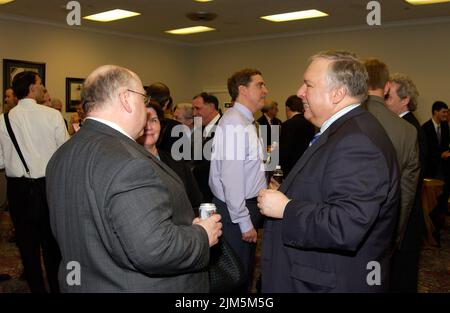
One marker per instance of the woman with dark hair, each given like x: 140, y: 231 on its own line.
x: 150, y: 139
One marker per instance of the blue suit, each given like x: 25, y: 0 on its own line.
x: 343, y: 212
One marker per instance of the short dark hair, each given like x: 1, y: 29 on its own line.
x: 208, y: 98
x: 294, y: 103
x: 438, y: 105
x: 22, y: 82
x: 240, y: 78
x: 155, y: 106
x: 378, y: 73
x: 161, y: 93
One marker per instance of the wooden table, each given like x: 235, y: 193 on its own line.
x: 431, y: 190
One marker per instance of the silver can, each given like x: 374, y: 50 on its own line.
x: 206, y: 210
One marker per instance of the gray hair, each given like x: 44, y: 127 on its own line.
x: 102, y: 85
x: 269, y: 105
x: 345, y: 70
x: 187, y: 107
x: 406, y: 88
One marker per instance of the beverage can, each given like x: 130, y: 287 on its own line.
x: 206, y: 210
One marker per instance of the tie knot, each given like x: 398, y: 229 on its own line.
x: 314, y: 139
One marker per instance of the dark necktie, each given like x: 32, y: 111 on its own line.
x: 438, y: 131
x: 257, y: 127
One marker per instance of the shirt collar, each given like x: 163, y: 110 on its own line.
x: 244, y: 110
x: 403, y: 114
x: 435, y: 124
x: 26, y: 102
x: 111, y: 124
x: 210, y: 125
x: 336, y: 116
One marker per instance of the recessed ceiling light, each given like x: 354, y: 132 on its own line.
x: 111, y: 15
x: 190, y: 30
x: 5, y: 1
x: 203, y: 0
x: 420, y: 2
x: 291, y: 16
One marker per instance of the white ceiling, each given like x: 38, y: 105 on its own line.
x: 237, y: 19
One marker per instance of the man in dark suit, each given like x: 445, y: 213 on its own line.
x: 296, y: 133
x: 404, y: 265
x: 436, y: 132
x: 333, y: 219
x: 206, y: 108
x: 121, y: 217
x: 268, y: 122
x: 437, y: 138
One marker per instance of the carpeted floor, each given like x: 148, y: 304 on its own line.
x: 434, y: 272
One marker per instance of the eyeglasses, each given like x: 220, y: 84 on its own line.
x: 146, y: 98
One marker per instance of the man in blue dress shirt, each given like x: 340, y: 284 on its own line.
x: 237, y: 171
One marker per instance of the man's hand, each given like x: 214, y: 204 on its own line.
x: 250, y: 236
x: 212, y: 226
x: 272, y: 203
x: 445, y: 154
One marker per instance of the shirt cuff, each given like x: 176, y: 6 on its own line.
x: 246, y: 225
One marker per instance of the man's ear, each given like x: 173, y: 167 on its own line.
x: 386, y: 88
x: 125, y: 100
x: 338, y: 94
x: 405, y: 100
x: 242, y: 90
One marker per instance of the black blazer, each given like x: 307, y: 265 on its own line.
x: 296, y: 133
x: 184, y: 172
x: 267, y: 140
x: 344, y: 195
x: 200, y: 168
x: 433, y: 148
x: 166, y: 140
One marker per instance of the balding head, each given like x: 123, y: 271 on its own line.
x: 56, y: 104
x: 103, y: 84
x: 116, y: 94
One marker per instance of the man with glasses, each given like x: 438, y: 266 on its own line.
x: 116, y: 210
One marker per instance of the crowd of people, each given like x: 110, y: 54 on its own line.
x: 120, y: 197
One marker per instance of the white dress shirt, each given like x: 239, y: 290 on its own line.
x: 39, y: 131
x: 237, y: 171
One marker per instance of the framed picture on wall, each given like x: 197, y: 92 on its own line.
x: 73, y: 93
x: 13, y: 67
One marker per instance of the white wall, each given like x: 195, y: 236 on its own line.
x: 74, y: 53
x: 421, y: 51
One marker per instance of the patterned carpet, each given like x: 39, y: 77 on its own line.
x: 434, y: 272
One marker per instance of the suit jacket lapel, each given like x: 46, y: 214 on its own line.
x: 304, y: 160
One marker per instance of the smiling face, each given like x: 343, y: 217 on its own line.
x: 151, y: 130
x: 316, y: 94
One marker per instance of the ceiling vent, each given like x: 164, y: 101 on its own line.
x: 201, y: 16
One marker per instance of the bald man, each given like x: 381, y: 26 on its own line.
x: 116, y: 210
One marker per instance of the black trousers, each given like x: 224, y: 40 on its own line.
x: 29, y: 213
x: 232, y: 233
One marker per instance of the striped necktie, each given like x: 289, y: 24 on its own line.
x: 314, y: 139
x: 438, y: 131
